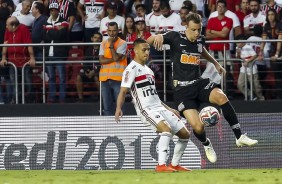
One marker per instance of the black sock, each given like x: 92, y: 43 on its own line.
x: 202, y: 137
x: 231, y: 117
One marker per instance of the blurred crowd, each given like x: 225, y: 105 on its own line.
x: 64, y: 21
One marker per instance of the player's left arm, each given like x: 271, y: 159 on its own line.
x: 206, y: 55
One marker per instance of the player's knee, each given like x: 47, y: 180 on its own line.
x: 221, y: 99
x: 183, y: 134
x: 199, y: 128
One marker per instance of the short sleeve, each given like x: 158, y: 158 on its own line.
x: 128, y: 77
x: 170, y: 36
x: 122, y: 49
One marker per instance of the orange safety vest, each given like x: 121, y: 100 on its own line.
x: 114, y: 69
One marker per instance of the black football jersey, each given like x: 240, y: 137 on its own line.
x: 185, y: 55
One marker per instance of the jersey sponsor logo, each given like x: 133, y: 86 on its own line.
x: 149, y: 92
x: 190, y: 59
x: 223, y: 23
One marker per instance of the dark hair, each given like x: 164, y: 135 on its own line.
x: 221, y: 1
x: 125, y: 30
x: 138, y: 41
x: 164, y: 4
x: 275, y: 14
x: 40, y: 6
x: 140, y: 5
x: 240, y: 37
x: 113, y: 24
x: 258, y: 1
x: 196, y: 18
x: 187, y: 5
x: 98, y: 33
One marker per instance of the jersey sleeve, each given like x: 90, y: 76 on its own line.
x: 128, y: 76
x: 170, y: 36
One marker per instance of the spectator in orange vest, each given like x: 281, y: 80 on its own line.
x: 112, y: 57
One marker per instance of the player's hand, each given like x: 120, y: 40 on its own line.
x: 118, y: 115
x: 220, y: 69
x: 175, y: 112
x: 158, y: 42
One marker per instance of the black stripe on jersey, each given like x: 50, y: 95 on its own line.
x: 144, y: 84
x: 142, y: 111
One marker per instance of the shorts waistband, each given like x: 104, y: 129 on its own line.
x: 182, y: 83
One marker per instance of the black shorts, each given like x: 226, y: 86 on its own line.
x: 192, y: 95
x: 85, y: 79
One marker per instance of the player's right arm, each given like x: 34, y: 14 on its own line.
x: 120, y: 101
x: 156, y: 41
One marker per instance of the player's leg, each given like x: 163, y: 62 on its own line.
x: 192, y: 117
x: 160, y: 125
x: 165, y: 137
x: 179, y: 129
x: 218, y: 97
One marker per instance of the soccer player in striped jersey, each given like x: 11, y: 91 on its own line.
x: 140, y: 80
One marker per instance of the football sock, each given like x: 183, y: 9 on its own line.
x: 202, y: 137
x: 231, y: 117
x: 163, y: 147
x: 178, y: 151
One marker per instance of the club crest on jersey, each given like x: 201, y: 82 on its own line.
x: 151, y: 81
x: 200, y: 47
x: 223, y: 23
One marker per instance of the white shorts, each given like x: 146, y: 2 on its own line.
x: 152, y: 118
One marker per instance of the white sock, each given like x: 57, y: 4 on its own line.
x: 163, y: 147
x: 178, y: 151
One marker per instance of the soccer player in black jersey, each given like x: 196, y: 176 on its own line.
x: 190, y: 89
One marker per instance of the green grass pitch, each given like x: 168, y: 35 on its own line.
x: 209, y: 176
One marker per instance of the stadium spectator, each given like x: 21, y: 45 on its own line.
x: 66, y: 10
x: 270, y: 31
x: 261, y: 65
x: 271, y: 4
x: 163, y: 119
x: 112, y: 17
x: 232, y: 5
x: 92, y: 16
x: 129, y: 29
x: 77, y: 30
x: 37, y: 28
x: 255, y: 17
x: 152, y: 19
x: 175, y: 5
x: 17, y: 33
x: 242, y: 12
x: 7, y: 4
x: 131, y: 7
x: 24, y: 15
x: 112, y: 57
x: 4, y: 71
x: 140, y: 10
x: 140, y: 32
x: 236, y: 29
x: 121, y: 9
x: 184, y: 11
x: 169, y: 21
x: 56, y: 31
x: 218, y: 28
x: 190, y: 89
x: 89, y: 72
x: 248, y: 56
